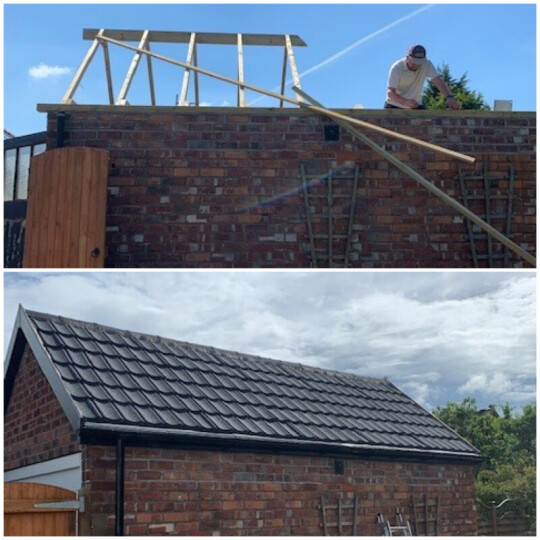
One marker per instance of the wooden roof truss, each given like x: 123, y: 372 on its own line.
x: 145, y: 37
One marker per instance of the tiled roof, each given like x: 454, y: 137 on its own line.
x: 138, y: 381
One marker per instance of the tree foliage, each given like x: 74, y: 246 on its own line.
x: 469, y: 99
x: 508, y: 443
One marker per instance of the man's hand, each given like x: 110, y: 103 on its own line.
x: 453, y: 104
x: 412, y: 103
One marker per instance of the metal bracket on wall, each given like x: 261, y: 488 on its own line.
x: 339, y: 225
x: 494, y: 207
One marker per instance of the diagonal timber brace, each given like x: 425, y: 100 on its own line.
x: 314, y: 108
x: 429, y: 186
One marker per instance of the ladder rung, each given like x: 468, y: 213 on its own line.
x: 333, y: 215
x: 325, y: 236
x: 484, y: 235
x: 481, y: 198
x: 333, y: 196
x: 344, y: 524
x: 489, y: 178
x: 492, y: 216
x: 323, y: 255
x: 492, y: 256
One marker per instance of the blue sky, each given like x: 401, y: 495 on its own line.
x: 350, y: 49
x: 439, y: 336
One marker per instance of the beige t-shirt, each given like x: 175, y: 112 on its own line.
x: 409, y: 84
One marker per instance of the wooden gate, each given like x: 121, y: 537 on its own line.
x: 65, y: 223
x: 23, y: 518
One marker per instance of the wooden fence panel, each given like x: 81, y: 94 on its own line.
x: 65, y: 224
x: 22, y: 518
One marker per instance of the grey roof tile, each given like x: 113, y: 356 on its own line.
x: 138, y: 380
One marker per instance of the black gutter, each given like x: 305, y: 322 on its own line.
x: 231, y: 443
x: 119, y: 495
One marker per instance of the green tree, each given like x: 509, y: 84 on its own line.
x: 508, y: 443
x: 469, y: 99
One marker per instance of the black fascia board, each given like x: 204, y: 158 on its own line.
x: 94, y: 434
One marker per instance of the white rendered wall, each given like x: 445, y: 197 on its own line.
x: 64, y: 472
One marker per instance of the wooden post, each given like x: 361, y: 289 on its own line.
x: 432, y: 188
x: 68, y: 96
x: 241, y: 90
x: 122, y: 96
x: 105, y: 46
x: 196, y: 76
x: 321, y: 110
x: 292, y: 63
x: 283, y: 75
x: 182, y: 101
x: 150, y: 75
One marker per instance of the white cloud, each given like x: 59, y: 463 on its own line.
x: 440, y: 336
x: 43, y: 71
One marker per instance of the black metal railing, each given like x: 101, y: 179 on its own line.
x: 18, y: 151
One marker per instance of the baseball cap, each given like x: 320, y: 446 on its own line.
x: 417, y: 55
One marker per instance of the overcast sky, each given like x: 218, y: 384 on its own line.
x: 439, y: 336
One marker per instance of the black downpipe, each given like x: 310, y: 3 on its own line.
x: 120, y: 462
x: 60, y: 129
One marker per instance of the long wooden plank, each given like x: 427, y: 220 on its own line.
x: 321, y: 110
x: 432, y: 188
x: 210, y: 38
x: 95, y: 251
x: 46, y: 222
x: 69, y: 214
x: 85, y: 214
x: 73, y: 232
x: 122, y: 96
x: 68, y: 96
x: 58, y: 208
x: 183, y: 99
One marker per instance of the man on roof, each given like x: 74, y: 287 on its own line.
x: 406, y: 81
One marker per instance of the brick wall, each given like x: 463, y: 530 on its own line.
x: 190, y: 492
x: 35, y: 426
x: 220, y: 187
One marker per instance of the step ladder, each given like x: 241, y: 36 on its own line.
x: 425, y: 515
x: 330, y: 210
x: 484, y: 195
x: 336, y: 524
x: 402, y: 528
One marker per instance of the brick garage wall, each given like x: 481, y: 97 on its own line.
x: 35, y: 426
x: 220, y: 187
x: 190, y: 492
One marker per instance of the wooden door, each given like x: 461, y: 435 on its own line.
x: 22, y: 518
x: 67, y: 196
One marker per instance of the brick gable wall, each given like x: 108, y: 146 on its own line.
x: 191, y: 492
x: 220, y: 188
x: 35, y: 426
